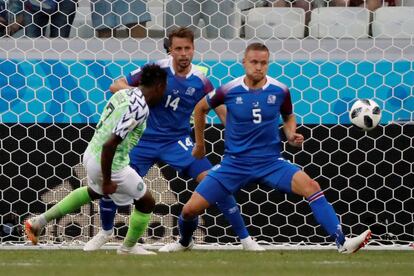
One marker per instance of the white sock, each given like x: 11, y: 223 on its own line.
x: 41, y: 219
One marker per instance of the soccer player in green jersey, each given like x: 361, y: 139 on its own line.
x: 107, y: 161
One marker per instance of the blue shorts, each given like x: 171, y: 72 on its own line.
x: 232, y: 174
x: 176, y: 153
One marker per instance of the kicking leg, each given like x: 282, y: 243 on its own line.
x: 68, y: 204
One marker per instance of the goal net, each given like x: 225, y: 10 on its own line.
x: 54, y: 89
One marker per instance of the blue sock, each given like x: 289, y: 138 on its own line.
x: 325, y: 215
x: 187, y: 228
x: 107, y: 212
x: 232, y: 214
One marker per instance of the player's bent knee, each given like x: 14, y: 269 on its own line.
x: 145, y: 204
x: 189, y: 212
x: 311, y: 188
x: 201, y: 176
x: 194, y: 207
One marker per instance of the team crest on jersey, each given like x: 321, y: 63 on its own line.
x: 175, y: 91
x: 271, y: 99
x: 190, y: 91
x: 140, y: 186
x: 239, y: 100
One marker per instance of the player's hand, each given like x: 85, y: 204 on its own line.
x: 109, y: 187
x: 296, y: 140
x: 199, y: 151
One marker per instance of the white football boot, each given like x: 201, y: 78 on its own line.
x: 135, y: 250
x: 176, y: 247
x: 352, y: 245
x: 98, y: 241
x: 251, y: 245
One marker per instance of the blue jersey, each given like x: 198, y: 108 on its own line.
x: 252, y: 123
x: 170, y: 119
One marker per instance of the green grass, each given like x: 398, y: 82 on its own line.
x: 106, y: 262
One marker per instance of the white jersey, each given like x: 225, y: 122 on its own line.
x: 124, y: 115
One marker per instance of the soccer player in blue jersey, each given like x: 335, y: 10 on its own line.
x: 167, y: 136
x: 254, y: 104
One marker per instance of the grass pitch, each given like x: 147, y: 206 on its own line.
x: 106, y: 262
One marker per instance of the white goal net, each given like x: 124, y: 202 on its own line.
x: 54, y: 88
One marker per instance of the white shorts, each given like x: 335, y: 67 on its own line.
x: 130, y: 185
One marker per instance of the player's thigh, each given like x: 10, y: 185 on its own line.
x: 281, y: 176
x: 130, y: 187
x: 143, y: 156
x: 93, y: 172
x: 212, y: 190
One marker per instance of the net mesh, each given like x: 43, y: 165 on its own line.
x: 53, y: 90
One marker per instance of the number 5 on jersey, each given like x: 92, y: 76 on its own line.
x: 172, y: 103
x: 257, y: 117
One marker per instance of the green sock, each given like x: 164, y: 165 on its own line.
x: 68, y: 204
x: 138, y: 223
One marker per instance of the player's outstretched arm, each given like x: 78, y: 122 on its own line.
x: 200, y: 112
x: 221, y: 112
x: 289, y: 127
x: 107, y: 157
x: 118, y: 85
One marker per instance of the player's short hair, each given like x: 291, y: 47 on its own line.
x: 181, y: 32
x: 152, y: 74
x: 167, y: 45
x: 257, y: 47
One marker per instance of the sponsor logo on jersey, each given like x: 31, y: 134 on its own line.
x: 239, y: 100
x: 190, y: 91
x: 175, y: 91
x: 271, y: 99
x: 255, y: 104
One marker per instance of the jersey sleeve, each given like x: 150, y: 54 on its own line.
x: 135, y: 115
x: 208, y: 86
x: 134, y: 78
x: 215, y: 97
x: 286, y: 107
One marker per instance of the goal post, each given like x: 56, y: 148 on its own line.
x: 53, y: 90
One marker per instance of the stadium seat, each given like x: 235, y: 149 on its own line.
x: 407, y: 3
x: 82, y: 24
x: 339, y: 22
x: 393, y: 22
x: 268, y: 22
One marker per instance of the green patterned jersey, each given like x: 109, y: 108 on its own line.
x: 124, y: 115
